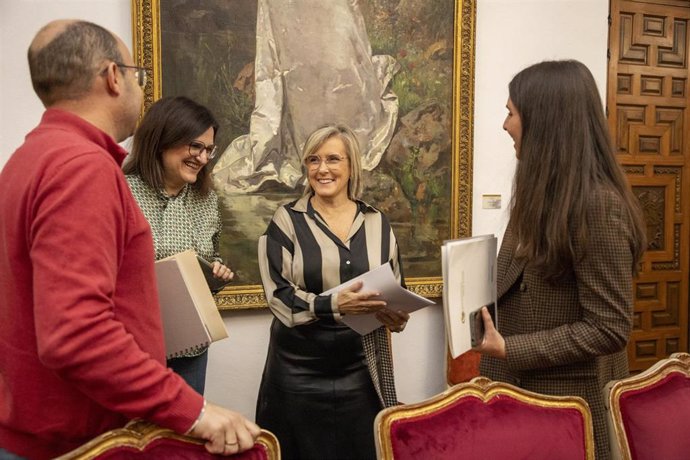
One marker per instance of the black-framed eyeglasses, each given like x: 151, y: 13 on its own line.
x: 139, y: 72
x: 196, y: 148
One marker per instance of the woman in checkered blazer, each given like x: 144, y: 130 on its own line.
x: 571, y: 249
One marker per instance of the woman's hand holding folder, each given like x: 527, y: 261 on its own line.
x: 493, y: 343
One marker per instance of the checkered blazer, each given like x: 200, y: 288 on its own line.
x: 569, y: 338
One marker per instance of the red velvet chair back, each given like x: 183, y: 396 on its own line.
x: 489, y: 420
x: 649, y: 413
x: 145, y: 441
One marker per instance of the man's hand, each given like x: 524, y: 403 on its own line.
x: 226, y: 432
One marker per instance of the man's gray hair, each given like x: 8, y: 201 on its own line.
x: 64, y: 68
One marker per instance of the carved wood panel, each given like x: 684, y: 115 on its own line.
x: 648, y: 87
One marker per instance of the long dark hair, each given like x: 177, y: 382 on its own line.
x: 566, y: 154
x: 168, y: 123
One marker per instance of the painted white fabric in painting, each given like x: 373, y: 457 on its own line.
x: 313, y: 66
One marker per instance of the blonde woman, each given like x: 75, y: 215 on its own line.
x: 323, y: 383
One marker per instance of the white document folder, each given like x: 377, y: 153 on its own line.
x: 381, y: 280
x: 469, y: 283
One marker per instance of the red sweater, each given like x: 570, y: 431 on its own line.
x: 81, y: 341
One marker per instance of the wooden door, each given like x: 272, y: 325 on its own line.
x: 648, y: 88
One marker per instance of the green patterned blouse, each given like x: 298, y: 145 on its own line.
x: 189, y: 220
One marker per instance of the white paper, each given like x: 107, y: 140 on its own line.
x: 469, y: 283
x: 381, y: 280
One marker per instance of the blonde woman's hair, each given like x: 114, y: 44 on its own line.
x: 345, y: 134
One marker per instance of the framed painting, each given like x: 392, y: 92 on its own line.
x: 401, y: 74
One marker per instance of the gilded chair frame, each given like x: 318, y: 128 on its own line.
x: 485, y: 390
x: 676, y: 363
x: 138, y: 435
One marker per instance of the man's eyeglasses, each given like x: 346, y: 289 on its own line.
x: 139, y: 72
x: 196, y: 148
x: 332, y: 161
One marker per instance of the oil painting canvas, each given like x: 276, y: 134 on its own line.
x: 399, y: 72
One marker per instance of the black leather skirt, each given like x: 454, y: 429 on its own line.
x: 316, y: 393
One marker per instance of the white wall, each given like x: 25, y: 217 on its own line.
x: 20, y: 109
x: 510, y: 35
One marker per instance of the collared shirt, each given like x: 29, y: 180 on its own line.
x: 188, y: 220
x: 299, y: 257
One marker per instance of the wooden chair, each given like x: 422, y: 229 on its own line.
x: 649, y: 413
x: 488, y: 420
x: 143, y: 440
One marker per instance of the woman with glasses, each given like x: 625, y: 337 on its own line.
x: 323, y: 383
x: 168, y: 172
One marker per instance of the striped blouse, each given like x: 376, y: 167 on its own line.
x: 299, y: 257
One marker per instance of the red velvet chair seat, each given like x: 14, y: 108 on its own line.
x: 650, y: 412
x: 174, y: 449
x: 487, y: 420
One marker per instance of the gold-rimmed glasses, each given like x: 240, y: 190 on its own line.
x: 332, y: 161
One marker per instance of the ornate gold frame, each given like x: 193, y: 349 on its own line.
x: 485, y: 390
x: 146, y: 31
x: 676, y: 363
x: 139, y: 434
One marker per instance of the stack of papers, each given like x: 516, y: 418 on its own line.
x: 469, y: 283
x: 381, y: 280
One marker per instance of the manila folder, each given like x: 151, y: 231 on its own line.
x: 190, y: 316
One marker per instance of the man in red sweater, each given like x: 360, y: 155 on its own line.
x: 81, y: 341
